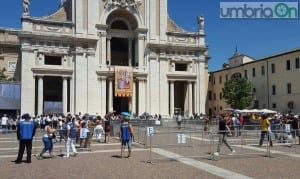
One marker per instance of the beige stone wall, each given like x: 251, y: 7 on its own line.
x: 9, y: 54
x: 262, y: 83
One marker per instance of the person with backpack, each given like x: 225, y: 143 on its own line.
x: 70, y: 137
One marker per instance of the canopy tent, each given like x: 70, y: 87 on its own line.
x: 268, y: 111
x: 228, y: 109
x: 255, y: 111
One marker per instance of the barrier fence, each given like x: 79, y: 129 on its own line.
x: 9, y: 144
x: 193, y: 139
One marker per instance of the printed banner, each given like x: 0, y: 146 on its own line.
x: 123, y: 81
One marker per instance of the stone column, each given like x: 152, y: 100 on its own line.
x: 110, y: 94
x: 142, y: 96
x: 108, y: 50
x: 103, y: 45
x: 103, y: 96
x: 195, y: 98
x: 141, y: 40
x: 71, y: 96
x: 133, y: 98
x: 190, y: 86
x: 65, y: 94
x: 130, y: 52
x: 172, y: 98
x: 40, y: 94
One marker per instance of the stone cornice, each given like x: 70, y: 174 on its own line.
x: 105, y: 73
x: 140, y: 75
x: 52, y: 72
x: 9, y: 44
x: 46, y: 21
x: 141, y: 30
x: 102, y: 27
x: 169, y: 46
x: 186, y: 34
x: 183, y: 76
x: 50, y: 36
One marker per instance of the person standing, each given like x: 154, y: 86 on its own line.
x: 48, y: 143
x: 296, y: 129
x: 25, y: 132
x: 70, y: 137
x: 264, y: 125
x: 236, y: 125
x: 107, y: 119
x: 223, y: 136
x: 126, y: 136
x: 4, y: 121
x: 179, y: 120
x: 99, y: 129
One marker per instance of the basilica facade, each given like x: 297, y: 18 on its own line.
x: 103, y: 55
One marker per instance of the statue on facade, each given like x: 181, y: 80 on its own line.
x: 200, y: 22
x: 26, y: 7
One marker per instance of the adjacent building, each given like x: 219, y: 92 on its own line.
x: 274, y: 79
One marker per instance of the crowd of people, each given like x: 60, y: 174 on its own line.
x: 71, y: 129
x: 284, y: 128
x: 80, y: 129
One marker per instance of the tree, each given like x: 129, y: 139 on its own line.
x: 2, y: 75
x: 237, y: 93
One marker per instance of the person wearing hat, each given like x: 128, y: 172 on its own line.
x: 126, y: 135
x: 25, y: 132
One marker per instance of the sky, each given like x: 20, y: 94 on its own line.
x: 256, y: 38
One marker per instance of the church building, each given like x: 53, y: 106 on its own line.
x: 103, y: 55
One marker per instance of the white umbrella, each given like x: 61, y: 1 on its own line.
x: 268, y: 111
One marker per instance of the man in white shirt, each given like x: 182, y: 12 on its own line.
x: 4, y: 122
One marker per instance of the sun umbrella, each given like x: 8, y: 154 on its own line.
x: 126, y: 114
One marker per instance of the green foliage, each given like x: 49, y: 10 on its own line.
x: 2, y: 76
x: 237, y: 93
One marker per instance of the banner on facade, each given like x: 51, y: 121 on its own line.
x: 123, y: 81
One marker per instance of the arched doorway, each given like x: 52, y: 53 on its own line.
x: 121, y: 27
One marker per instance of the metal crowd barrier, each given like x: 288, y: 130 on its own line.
x: 202, y: 144
x: 9, y: 143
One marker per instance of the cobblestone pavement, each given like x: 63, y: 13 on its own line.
x: 164, y: 161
